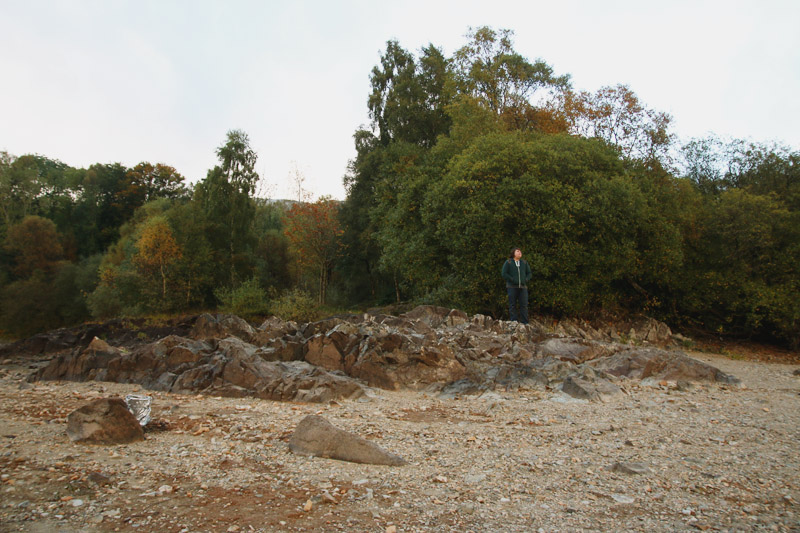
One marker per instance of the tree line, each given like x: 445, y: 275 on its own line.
x: 110, y: 241
x: 464, y: 157
x: 470, y: 155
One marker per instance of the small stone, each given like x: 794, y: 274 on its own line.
x: 467, y: 508
x: 76, y: 503
x: 308, y: 506
x: 166, y: 489
x: 391, y: 529
x: 621, y: 498
x: 631, y: 468
x: 233, y: 529
x: 440, y: 479
x: 99, y: 479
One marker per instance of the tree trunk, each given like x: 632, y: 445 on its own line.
x: 163, y: 283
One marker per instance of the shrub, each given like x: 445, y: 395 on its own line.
x: 295, y: 305
x: 248, y: 299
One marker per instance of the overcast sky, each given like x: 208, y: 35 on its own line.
x: 163, y: 81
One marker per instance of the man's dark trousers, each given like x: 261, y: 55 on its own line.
x: 518, y: 295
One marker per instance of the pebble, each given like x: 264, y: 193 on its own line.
x: 474, y: 478
x: 631, y: 468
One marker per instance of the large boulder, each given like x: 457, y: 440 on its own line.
x: 104, y: 421
x: 655, y: 363
x: 317, y: 437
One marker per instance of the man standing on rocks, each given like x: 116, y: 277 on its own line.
x: 517, y: 272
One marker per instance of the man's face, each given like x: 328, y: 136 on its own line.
x: 517, y: 255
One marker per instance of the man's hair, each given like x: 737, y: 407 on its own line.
x: 514, y: 249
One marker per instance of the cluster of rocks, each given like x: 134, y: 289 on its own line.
x: 429, y: 348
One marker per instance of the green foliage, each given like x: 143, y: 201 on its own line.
x: 246, y: 300
x: 488, y: 68
x: 46, y: 301
x: 228, y: 209
x: 465, y: 157
x: 296, y: 305
x: 600, y: 218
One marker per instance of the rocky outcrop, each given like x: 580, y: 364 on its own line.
x: 227, y: 367
x: 82, y: 367
x: 119, y: 332
x: 428, y: 348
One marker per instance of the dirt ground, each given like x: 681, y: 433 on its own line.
x: 657, y: 459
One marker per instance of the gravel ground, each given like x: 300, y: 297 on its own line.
x: 657, y: 459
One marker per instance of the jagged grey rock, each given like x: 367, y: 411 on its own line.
x: 317, y: 437
x: 219, y: 326
x: 598, y: 389
x: 643, y: 363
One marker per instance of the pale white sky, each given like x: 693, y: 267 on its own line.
x: 164, y: 80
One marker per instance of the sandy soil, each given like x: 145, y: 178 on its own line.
x: 710, y: 458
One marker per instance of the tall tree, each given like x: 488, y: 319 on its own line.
x: 226, y: 198
x: 489, y: 69
x: 314, y: 232
x: 409, y: 96
x: 157, y: 250
x: 19, y: 187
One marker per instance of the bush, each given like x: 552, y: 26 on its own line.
x: 248, y: 299
x: 295, y: 305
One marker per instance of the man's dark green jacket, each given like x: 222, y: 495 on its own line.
x: 516, y: 276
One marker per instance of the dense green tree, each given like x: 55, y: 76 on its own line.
x: 35, y: 246
x: 19, y: 187
x: 743, y: 268
x: 225, y: 197
x: 409, y: 96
